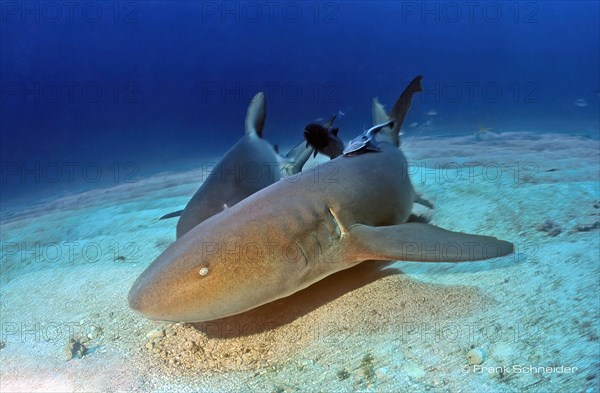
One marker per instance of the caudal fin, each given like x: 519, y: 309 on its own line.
x: 423, y: 243
x: 256, y: 115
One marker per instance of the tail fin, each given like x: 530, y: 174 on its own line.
x: 255, y: 117
x: 402, y: 105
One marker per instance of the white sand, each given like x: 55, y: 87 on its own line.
x: 377, y: 327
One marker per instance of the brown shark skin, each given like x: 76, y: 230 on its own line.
x: 280, y: 222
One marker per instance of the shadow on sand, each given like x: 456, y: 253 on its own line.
x: 283, y: 311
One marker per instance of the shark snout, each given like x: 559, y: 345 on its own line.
x: 136, y: 299
x: 145, y: 297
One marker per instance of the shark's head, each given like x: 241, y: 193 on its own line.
x: 175, y: 287
x: 202, y: 276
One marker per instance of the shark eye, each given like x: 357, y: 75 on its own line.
x: 203, y: 271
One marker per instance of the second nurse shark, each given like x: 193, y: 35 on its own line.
x: 224, y: 187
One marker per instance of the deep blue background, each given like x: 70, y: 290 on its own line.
x: 175, y: 77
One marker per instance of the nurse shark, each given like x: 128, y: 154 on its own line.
x: 293, y: 233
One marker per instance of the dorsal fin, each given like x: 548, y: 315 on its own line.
x: 379, y: 116
x: 398, y: 112
x: 330, y: 121
x: 255, y: 117
x: 296, y: 158
x: 378, y: 112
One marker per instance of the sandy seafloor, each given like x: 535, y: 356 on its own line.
x: 381, y: 327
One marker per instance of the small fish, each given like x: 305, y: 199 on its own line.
x: 322, y: 119
x: 581, y: 103
x: 431, y: 112
x: 483, y: 130
x: 413, y: 125
x: 324, y: 139
x: 423, y: 127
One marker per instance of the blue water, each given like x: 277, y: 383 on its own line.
x: 100, y: 93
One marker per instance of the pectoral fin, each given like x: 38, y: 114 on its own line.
x: 422, y: 201
x: 171, y: 215
x: 423, y: 243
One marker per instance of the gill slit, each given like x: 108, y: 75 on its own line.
x: 328, y: 232
x: 318, y: 243
x: 303, y: 254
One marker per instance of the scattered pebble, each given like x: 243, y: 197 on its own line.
x: 183, y: 345
x: 476, y: 356
x: 156, y: 333
x: 550, y: 227
x: 343, y: 374
x: 76, y: 348
x: 95, y: 332
x: 588, y: 227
